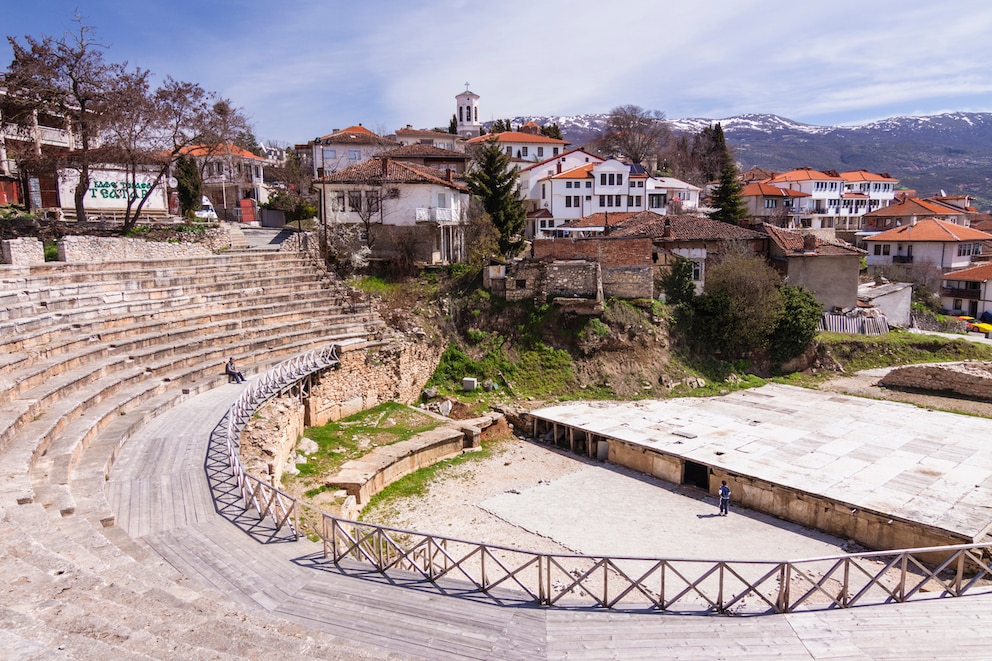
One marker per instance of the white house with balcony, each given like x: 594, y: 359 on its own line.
x: 411, y: 136
x: 929, y: 241
x: 968, y: 291
x: 523, y: 147
x: 836, y: 200
x: 400, y: 208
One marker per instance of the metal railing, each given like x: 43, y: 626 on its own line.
x: 510, y: 575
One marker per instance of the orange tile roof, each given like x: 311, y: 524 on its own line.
x: 219, y: 150
x: 930, y: 230
x: 915, y: 206
x: 761, y: 189
x: 584, y: 171
x: 978, y: 273
x: 793, y: 243
x: 517, y: 136
x: 358, y: 135
x: 864, y: 175
x: 377, y: 172
x: 804, y: 174
x: 599, y: 159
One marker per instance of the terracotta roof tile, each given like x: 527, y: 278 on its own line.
x: 761, y: 189
x: 601, y: 219
x: 354, y: 135
x: 377, y: 172
x: 864, y: 175
x: 978, y: 273
x: 683, y: 227
x: 930, y: 230
x: 531, y: 166
x: 220, y: 150
x: 804, y: 174
x: 793, y: 243
x: 915, y: 206
x: 423, y: 151
x: 517, y: 136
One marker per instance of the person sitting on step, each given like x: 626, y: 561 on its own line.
x: 232, y: 372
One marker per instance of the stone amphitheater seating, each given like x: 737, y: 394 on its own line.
x: 90, y: 352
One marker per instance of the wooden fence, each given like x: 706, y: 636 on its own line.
x: 511, y: 575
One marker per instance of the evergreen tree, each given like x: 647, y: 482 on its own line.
x: 796, y: 326
x: 190, y: 185
x: 677, y: 283
x: 726, y: 196
x: 551, y: 131
x: 494, y: 182
x: 453, y: 124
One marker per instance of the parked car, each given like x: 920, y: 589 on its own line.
x: 206, y: 210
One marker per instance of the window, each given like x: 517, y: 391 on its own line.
x: 568, y: 201
x: 602, y: 201
x: 630, y: 200
x: 330, y: 153
x: 957, y: 304
x: 771, y: 204
x: 609, y: 200
x: 617, y: 199
x: 460, y: 116
x: 966, y: 249
x: 575, y: 201
x: 354, y: 154
x: 611, y: 179
x: 568, y: 184
x: 540, y: 152
x: 878, y: 249
x: 619, y: 180
x: 509, y: 151
x: 697, y: 271
x: 372, y: 201
x: 640, y: 184
x: 656, y: 200
x: 442, y: 201
x: 354, y: 200
x: 542, y: 192
x: 682, y: 195
x: 337, y: 201
x: 602, y: 179
x: 886, y: 249
x: 523, y: 151
x: 588, y: 184
x: 554, y: 151
x: 637, y: 200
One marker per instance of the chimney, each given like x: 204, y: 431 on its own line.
x: 912, y: 220
x: 559, y: 167
x: 451, y: 175
x: 809, y: 244
x: 385, y: 167
x: 668, y: 229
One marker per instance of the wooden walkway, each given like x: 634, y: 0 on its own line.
x: 171, y: 494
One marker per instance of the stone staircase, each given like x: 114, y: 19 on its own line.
x: 90, y: 353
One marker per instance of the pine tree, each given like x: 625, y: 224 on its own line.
x: 190, y: 185
x: 453, y: 124
x: 726, y: 196
x: 494, y: 182
x: 551, y: 131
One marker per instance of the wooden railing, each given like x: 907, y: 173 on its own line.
x: 511, y: 575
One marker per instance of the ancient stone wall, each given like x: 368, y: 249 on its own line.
x: 972, y: 380
x: 25, y: 251
x: 573, y: 278
x: 75, y: 249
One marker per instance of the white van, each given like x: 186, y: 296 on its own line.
x: 206, y: 210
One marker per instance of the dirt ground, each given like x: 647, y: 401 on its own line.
x: 532, y: 496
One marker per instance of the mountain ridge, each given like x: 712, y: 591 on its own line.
x: 928, y: 153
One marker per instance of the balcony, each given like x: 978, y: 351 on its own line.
x: 966, y: 294
x: 902, y: 259
x: 436, y: 215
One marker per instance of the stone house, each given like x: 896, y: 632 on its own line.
x: 397, y: 208
x: 827, y: 268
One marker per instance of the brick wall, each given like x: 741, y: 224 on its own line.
x: 606, y: 251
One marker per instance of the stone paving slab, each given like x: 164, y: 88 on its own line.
x: 925, y: 466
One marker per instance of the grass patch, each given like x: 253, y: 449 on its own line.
x: 418, y: 482
x: 352, y: 437
x: 374, y: 284
x: 859, y: 352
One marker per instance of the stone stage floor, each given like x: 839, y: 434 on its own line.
x: 923, y: 466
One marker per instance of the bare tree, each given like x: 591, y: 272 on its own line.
x: 68, y: 77
x: 636, y: 134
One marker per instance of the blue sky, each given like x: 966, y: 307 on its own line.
x: 301, y: 68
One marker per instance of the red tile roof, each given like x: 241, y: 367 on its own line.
x: 219, y: 150
x: 378, y: 172
x: 915, y: 206
x: 804, y: 174
x: 864, y: 175
x: 602, y: 219
x: 761, y: 189
x: 930, y: 230
x: 582, y: 172
x: 599, y: 159
x: 355, y: 135
x: 793, y: 243
x: 423, y: 151
x: 683, y: 227
x: 978, y: 273
x: 417, y: 133
x: 517, y: 136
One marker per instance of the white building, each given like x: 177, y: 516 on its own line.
x: 411, y: 136
x: 836, y: 200
x: 467, y: 114
x: 345, y: 148
x: 928, y: 241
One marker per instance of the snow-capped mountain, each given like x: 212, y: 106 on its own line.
x: 950, y: 151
